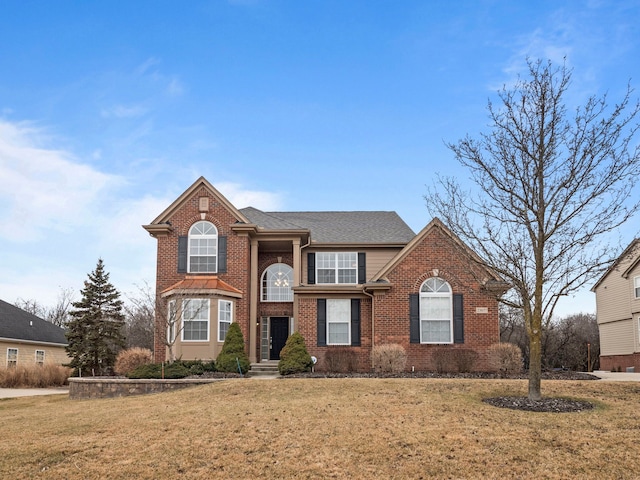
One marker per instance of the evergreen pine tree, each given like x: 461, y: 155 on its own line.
x: 232, y: 352
x: 95, y: 329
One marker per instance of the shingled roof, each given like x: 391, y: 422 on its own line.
x: 363, y: 227
x: 16, y: 324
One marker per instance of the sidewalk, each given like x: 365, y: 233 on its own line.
x: 617, y: 376
x: 30, y: 392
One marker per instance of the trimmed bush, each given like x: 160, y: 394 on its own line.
x: 232, y: 353
x: 389, y: 358
x: 444, y: 360
x: 340, y: 360
x: 130, y: 359
x: 505, y: 358
x: 294, y: 357
x: 465, y: 359
x: 154, y: 370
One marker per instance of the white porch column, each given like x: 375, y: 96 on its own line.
x: 253, y: 301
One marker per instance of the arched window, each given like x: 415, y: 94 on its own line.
x: 436, y: 312
x: 203, y: 248
x: 277, y: 281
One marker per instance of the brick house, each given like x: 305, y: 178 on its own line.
x: 618, y: 311
x: 354, y: 279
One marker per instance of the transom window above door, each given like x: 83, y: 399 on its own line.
x: 277, y: 281
x: 203, y: 248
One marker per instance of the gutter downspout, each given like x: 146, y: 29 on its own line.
x: 373, y: 322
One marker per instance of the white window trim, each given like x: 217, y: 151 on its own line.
x: 16, y: 359
x: 171, y: 325
x: 437, y: 295
x: 336, y: 268
x: 636, y: 287
x: 336, y: 321
x: 221, y: 321
x: 43, y: 357
x: 213, y: 236
x: 265, y: 290
x: 184, y: 321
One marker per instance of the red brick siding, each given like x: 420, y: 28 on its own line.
x: 237, y: 258
x: 613, y: 362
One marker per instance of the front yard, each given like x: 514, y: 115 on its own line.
x: 325, y: 428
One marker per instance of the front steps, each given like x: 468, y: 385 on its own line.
x: 267, y: 369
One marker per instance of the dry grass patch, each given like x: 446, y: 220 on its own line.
x: 324, y: 428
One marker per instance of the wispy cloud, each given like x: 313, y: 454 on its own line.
x: 242, y: 197
x: 123, y: 111
x: 43, y: 188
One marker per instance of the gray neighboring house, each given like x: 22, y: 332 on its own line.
x: 26, y: 339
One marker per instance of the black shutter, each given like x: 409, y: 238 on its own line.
x: 362, y: 267
x: 183, y: 242
x: 458, y: 319
x: 311, y: 268
x: 322, y: 322
x: 222, y: 254
x: 355, y: 322
x: 414, y: 318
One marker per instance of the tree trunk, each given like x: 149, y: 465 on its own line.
x: 535, y: 364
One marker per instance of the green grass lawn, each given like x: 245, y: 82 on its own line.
x: 325, y: 428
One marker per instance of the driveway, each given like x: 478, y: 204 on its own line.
x: 30, y: 392
x: 617, y: 376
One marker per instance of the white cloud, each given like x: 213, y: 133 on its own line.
x: 43, y: 188
x: 241, y: 197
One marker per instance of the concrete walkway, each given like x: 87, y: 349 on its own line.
x: 617, y: 376
x: 30, y: 392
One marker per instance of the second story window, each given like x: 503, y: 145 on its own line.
x: 203, y: 248
x: 277, y: 281
x: 636, y: 286
x: 336, y: 267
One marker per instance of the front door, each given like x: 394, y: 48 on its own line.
x: 279, y: 335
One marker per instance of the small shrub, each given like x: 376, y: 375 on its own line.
x: 232, y: 353
x: 154, y: 370
x: 340, y: 360
x: 465, y: 359
x: 196, y: 369
x: 130, y: 359
x: 294, y: 357
x: 444, y: 360
x: 505, y: 358
x: 389, y: 358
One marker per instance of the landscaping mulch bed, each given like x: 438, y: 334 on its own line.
x: 549, y: 405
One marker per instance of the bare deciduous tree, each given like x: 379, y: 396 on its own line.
x: 551, y: 188
x: 58, y: 314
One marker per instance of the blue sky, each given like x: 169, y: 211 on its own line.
x: 110, y: 110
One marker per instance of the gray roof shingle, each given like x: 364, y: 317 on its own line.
x: 17, y: 324
x: 363, y: 227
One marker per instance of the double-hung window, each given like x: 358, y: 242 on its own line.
x: 436, y: 312
x: 338, y: 322
x: 195, y: 319
x: 12, y: 357
x: 337, y: 267
x: 40, y: 357
x: 203, y: 248
x: 636, y: 286
x: 225, y: 317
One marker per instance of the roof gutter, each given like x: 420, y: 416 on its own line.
x: 31, y: 342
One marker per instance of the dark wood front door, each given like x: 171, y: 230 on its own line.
x: 279, y: 335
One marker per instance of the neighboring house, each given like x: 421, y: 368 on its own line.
x: 342, y: 279
x: 29, y: 340
x: 618, y: 311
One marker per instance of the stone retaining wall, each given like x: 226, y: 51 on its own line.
x: 85, y: 388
